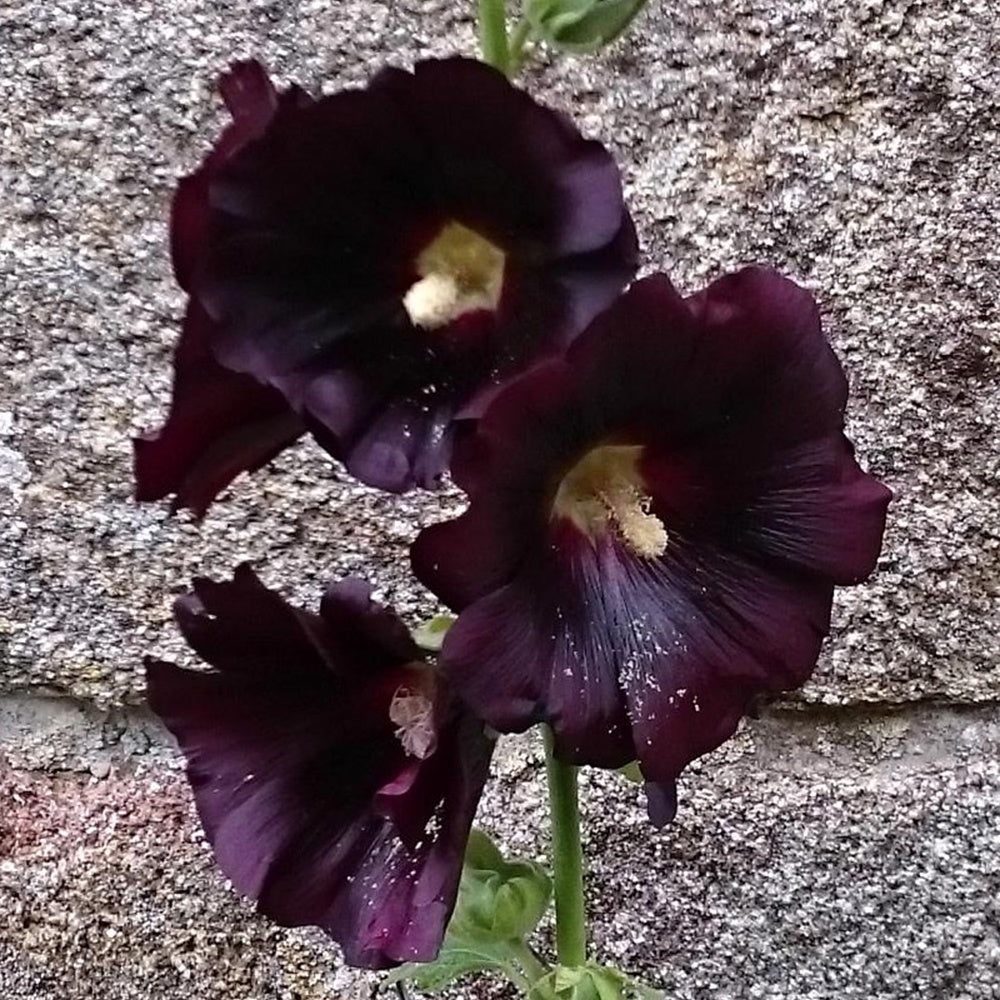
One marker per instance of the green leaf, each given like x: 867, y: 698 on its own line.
x: 632, y: 773
x: 581, y: 25
x: 430, y: 634
x: 452, y: 962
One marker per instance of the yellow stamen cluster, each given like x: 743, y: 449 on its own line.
x: 460, y: 271
x: 605, y: 491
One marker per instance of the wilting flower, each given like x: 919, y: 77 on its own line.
x: 335, y: 776
x: 384, y: 257
x: 655, y: 528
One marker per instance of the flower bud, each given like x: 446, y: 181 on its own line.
x: 582, y: 25
x: 499, y: 900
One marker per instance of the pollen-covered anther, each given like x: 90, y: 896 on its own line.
x: 413, y: 713
x: 460, y: 271
x: 642, y: 530
x: 605, y: 491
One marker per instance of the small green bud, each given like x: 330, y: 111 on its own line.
x: 633, y: 773
x: 581, y: 25
x: 499, y: 904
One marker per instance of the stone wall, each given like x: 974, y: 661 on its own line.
x: 844, y: 847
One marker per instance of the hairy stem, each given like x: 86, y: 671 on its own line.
x: 567, y: 859
x: 517, y: 51
x: 493, y: 34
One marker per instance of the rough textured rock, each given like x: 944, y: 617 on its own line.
x: 851, y: 144
x: 849, y: 857
x: 828, y: 854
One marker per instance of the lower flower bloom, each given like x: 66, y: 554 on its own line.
x: 335, y: 776
x: 656, y: 525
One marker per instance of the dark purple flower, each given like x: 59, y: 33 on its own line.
x: 385, y: 257
x: 335, y: 776
x: 656, y: 525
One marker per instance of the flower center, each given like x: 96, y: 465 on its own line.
x: 460, y: 271
x: 605, y: 491
x: 412, y: 710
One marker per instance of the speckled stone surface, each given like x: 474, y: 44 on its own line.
x: 852, y: 143
x: 840, y: 858
x: 840, y: 853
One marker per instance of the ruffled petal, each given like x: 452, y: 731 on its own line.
x: 221, y: 423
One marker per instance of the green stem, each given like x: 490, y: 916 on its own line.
x: 519, y: 38
x: 567, y: 859
x: 493, y: 34
x: 533, y: 966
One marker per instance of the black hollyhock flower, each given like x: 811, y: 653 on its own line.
x: 385, y: 257
x: 655, y: 528
x: 334, y: 775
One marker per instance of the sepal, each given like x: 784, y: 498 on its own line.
x: 591, y: 982
x: 500, y: 903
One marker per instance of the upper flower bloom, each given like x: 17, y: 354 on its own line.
x: 656, y: 524
x: 385, y: 257
x: 334, y: 775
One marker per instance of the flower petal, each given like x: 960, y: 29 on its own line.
x: 252, y: 100
x: 510, y: 168
x: 365, y: 630
x: 661, y: 802
x: 221, y: 423
x: 763, y: 349
x: 816, y: 510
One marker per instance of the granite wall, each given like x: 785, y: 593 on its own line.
x: 844, y: 847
